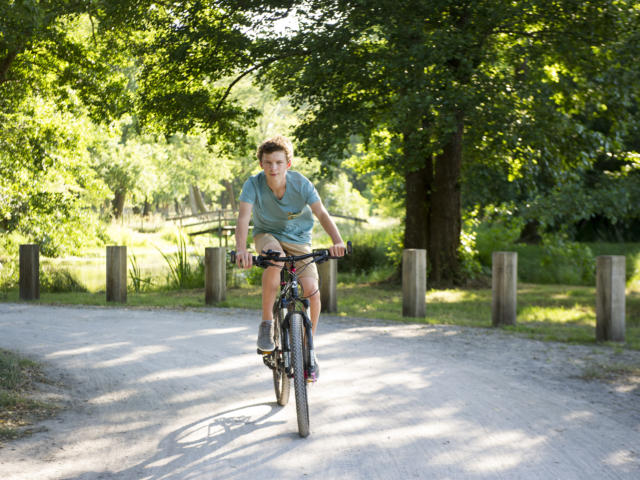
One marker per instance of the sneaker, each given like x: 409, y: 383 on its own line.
x: 314, y: 374
x: 265, y: 337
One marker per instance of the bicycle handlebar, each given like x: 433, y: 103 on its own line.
x: 265, y: 260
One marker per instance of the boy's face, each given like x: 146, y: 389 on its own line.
x: 275, y: 164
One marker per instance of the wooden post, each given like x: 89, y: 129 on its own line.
x: 29, y: 272
x: 117, y: 274
x: 328, y: 272
x: 504, y: 281
x: 215, y: 274
x: 414, y: 282
x: 610, y: 298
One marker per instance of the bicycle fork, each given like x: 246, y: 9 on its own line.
x: 286, y: 346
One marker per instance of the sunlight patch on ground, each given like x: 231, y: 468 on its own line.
x: 136, y: 355
x: 221, y: 366
x: 209, y: 331
x: 491, y: 452
x: 113, y: 397
x: 621, y: 458
x: 449, y: 296
x: 163, y: 461
x: 85, y: 350
x: 574, y: 416
x: 577, y: 315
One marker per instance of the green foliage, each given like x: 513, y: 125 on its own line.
x: 339, y: 197
x: 178, y: 87
x: 254, y: 276
x: 58, y: 281
x: 583, y: 196
x: 470, y: 264
x: 139, y: 282
x: 372, y: 250
x: 631, y: 251
x: 499, y: 233
x: 182, y: 274
x: 46, y: 184
x: 11, y: 370
x: 566, y: 262
x: 8, y: 276
x: 556, y: 261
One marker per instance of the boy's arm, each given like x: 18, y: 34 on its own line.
x: 338, y: 249
x: 243, y: 257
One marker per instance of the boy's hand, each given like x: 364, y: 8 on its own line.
x: 244, y: 259
x: 338, y: 250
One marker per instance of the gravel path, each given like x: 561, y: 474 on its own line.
x: 159, y: 394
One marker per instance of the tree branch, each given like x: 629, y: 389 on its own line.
x: 250, y: 70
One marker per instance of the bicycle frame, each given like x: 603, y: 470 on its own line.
x: 288, y: 300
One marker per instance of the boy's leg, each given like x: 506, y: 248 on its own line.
x: 308, y: 277
x: 311, y: 291
x: 270, y: 285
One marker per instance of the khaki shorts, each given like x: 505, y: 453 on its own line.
x: 264, y: 241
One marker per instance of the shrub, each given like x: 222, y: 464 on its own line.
x: 566, y: 262
x: 497, y: 235
x: 470, y: 265
x: 181, y: 273
x: 139, y: 282
x: 371, y: 250
x: 8, y: 277
x: 59, y: 281
x: 254, y: 276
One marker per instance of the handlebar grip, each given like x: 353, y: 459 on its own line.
x: 232, y: 254
x: 349, y: 248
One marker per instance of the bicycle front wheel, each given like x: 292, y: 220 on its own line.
x: 299, y: 382
x: 281, y: 382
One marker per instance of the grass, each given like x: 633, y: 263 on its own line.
x: 18, y: 408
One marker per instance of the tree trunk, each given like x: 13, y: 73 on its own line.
x: 231, y: 198
x: 5, y: 64
x: 118, y: 202
x: 445, y: 214
x: 176, y: 205
x: 196, y: 201
x: 146, y: 207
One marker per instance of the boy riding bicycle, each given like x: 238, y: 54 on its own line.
x: 282, y: 203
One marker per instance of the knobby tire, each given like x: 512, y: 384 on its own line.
x: 281, y: 382
x: 299, y: 382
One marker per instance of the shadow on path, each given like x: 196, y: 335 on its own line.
x: 204, y: 448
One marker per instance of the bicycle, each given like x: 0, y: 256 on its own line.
x: 294, y: 355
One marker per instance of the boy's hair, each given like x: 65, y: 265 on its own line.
x: 276, y: 144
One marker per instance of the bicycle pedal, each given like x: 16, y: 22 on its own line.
x: 264, y: 352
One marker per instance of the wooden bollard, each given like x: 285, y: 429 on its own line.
x: 414, y: 282
x: 29, y: 272
x: 328, y: 272
x: 504, y: 282
x: 610, y: 298
x: 117, y: 274
x: 215, y: 274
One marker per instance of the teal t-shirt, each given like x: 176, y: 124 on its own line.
x: 289, y: 219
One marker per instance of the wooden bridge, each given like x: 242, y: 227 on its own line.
x: 221, y: 223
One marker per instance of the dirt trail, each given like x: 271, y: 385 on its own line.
x: 158, y: 394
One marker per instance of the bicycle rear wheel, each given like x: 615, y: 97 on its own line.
x: 299, y: 382
x: 281, y: 382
